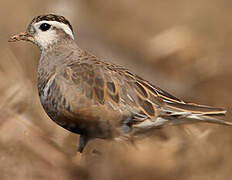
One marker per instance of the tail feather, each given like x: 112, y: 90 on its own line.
x: 210, y: 119
x: 178, y: 113
x: 195, y: 108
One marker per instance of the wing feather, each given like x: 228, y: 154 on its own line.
x: 114, y: 87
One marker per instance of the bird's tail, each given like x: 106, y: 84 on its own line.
x: 178, y: 113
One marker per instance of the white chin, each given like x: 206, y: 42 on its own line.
x: 45, y: 39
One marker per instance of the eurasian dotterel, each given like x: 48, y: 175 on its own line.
x: 97, y: 99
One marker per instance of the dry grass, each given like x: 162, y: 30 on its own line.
x: 184, y: 47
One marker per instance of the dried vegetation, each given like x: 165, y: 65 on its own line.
x: 183, y: 47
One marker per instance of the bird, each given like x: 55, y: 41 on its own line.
x: 97, y: 99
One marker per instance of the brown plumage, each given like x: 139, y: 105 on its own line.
x: 97, y: 99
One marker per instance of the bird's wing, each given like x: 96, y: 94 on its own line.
x: 114, y: 87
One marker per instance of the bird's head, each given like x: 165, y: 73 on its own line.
x: 45, y: 30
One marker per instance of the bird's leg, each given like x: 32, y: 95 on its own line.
x: 126, y: 129
x: 126, y: 125
x: 83, y: 140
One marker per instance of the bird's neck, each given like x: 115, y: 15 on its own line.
x: 54, y: 58
x: 59, y: 53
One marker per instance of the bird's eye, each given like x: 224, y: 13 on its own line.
x: 45, y: 26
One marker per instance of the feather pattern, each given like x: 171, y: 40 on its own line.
x: 97, y: 99
x: 112, y: 95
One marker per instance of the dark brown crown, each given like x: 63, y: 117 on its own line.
x: 51, y: 17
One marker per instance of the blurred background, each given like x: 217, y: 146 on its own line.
x: 181, y: 46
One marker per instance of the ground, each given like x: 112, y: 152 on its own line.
x: 183, y: 47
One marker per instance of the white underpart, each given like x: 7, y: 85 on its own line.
x: 148, y: 124
x: 46, y: 38
x: 45, y: 94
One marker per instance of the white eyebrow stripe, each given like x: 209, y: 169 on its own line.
x: 59, y: 25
